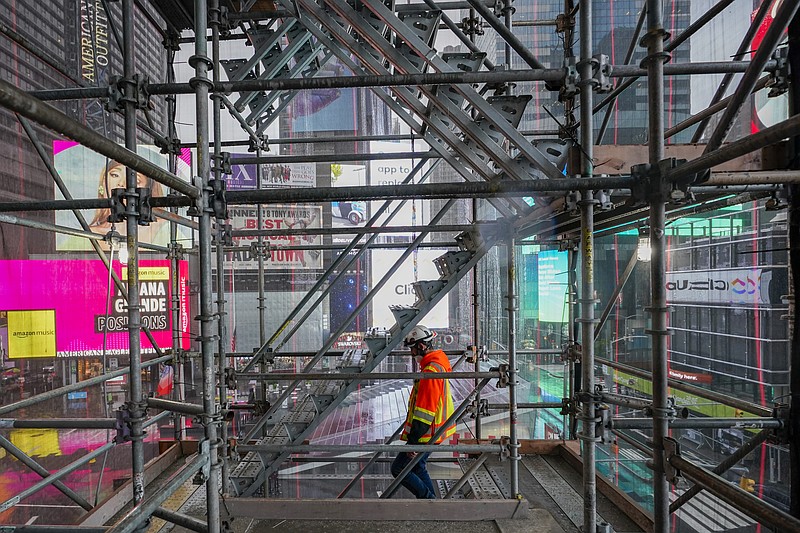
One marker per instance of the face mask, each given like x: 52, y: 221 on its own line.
x: 418, y: 359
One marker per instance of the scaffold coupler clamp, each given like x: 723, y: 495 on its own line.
x: 572, y: 202
x: 117, y: 207
x: 122, y: 425
x: 571, y: 352
x: 175, y: 250
x: 603, y: 198
x: 672, y: 448
x: 123, y: 90
x: 219, y: 204
x: 505, y: 447
x: 145, y: 209
x: 265, y: 356
x: 230, y: 378
x: 259, y: 142
x: 779, y: 78
x: 603, y: 427
x: 479, y: 407
x: 570, y: 86
x: 198, y: 205
x: 567, y: 407
x: 782, y: 412
x: 601, y: 72
x: 505, y: 376
x: 259, y: 249
x: 472, y: 26
x: 204, y: 473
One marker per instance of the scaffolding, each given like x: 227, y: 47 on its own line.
x: 442, y: 98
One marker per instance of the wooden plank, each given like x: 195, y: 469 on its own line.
x: 400, y: 509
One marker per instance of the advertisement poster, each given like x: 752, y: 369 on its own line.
x: 399, y: 290
x: 277, y: 217
x: 285, y: 175
x: 739, y: 285
x: 65, y: 308
x: 87, y: 174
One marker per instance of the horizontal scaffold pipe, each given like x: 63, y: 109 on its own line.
x: 405, y: 448
x: 326, y: 158
x: 341, y: 246
x: 395, y: 80
x: 29, y: 107
x: 177, y: 407
x: 334, y: 353
x: 429, y: 191
x: 355, y: 231
x: 322, y: 376
x: 700, y: 423
x: 58, y: 423
x: 477, y: 189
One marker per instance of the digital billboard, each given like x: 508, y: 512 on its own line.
x: 325, y: 109
x: 65, y: 308
x: 553, y: 285
x: 399, y: 290
x: 87, y: 174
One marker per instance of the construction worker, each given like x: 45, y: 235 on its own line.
x: 429, y: 407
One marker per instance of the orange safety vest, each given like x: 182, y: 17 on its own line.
x: 430, y: 401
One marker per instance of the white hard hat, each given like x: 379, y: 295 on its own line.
x: 419, y: 333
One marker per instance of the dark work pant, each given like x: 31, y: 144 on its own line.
x: 417, y: 481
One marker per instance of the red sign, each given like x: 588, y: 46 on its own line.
x: 689, y: 377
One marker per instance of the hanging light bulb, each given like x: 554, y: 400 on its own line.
x: 123, y: 253
x: 643, y: 250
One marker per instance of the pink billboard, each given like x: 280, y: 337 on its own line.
x: 72, y: 305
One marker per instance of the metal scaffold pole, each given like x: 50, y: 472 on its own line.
x: 137, y: 410
x: 201, y: 63
x: 586, y: 320
x: 656, y: 57
x: 511, y: 258
x: 214, y: 13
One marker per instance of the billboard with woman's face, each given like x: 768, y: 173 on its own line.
x: 87, y: 174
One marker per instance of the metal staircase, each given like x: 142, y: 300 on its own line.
x: 248, y: 476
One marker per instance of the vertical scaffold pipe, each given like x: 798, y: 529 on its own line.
x: 587, y: 433
x: 511, y: 258
x: 202, y: 85
x: 135, y: 406
x: 214, y: 14
x: 654, y: 40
